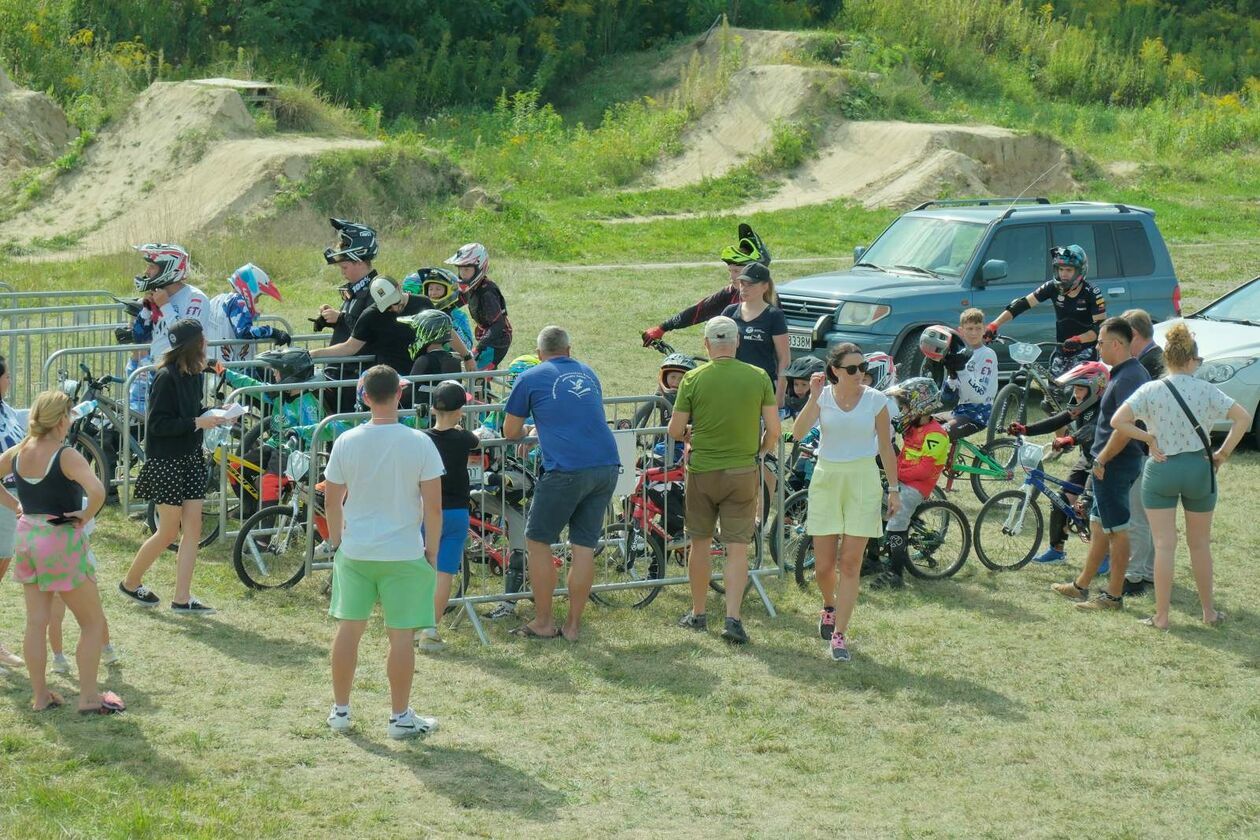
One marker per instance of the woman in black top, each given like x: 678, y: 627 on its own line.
x: 763, y: 338
x: 174, y: 473
x: 51, y: 547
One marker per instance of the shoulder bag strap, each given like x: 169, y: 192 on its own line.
x: 1198, y: 428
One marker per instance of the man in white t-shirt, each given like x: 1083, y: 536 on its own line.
x: 383, y: 483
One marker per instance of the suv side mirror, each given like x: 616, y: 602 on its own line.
x: 858, y: 253
x: 992, y: 270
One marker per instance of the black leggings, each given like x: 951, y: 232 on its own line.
x: 960, y: 427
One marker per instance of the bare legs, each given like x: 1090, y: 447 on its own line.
x: 846, y: 551
x: 182, y: 522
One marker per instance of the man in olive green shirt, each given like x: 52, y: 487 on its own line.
x: 721, y: 409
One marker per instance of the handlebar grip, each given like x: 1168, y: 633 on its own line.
x: 111, y: 380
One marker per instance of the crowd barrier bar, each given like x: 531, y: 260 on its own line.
x: 466, y: 603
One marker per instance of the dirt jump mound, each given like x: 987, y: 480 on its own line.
x: 33, y: 129
x: 185, y: 157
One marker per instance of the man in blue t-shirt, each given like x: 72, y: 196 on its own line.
x: 581, y: 466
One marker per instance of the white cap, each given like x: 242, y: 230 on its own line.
x: 385, y: 293
x: 721, y: 329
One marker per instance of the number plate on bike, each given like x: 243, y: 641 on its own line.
x: 801, y: 341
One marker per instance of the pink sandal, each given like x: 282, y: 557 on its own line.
x: 111, y: 704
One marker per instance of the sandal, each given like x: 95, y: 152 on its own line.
x: 1218, y: 618
x: 1150, y: 622
x: 55, y: 701
x: 111, y: 704
x: 527, y: 632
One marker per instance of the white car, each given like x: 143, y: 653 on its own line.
x: 1227, y: 331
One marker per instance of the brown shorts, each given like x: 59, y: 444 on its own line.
x: 726, y: 495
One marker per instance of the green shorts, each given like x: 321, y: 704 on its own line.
x: 404, y: 589
x: 1184, y: 477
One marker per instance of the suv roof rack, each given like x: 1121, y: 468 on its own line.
x: 1065, y: 208
x: 981, y: 202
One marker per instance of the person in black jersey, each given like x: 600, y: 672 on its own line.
x: 174, y: 474
x: 454, y: 444
x: 54, y: 557
x: 353, y: 252
x: 486, y: 304
x: 1079, y: 308
x: 750, y: 249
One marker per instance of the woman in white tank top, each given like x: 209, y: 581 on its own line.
x: 845, y: 492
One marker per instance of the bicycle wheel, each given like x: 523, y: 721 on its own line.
x: 91, y: 450
x: 995, y: 466
x: 628, y: 555
x: 939, y: 540
x: 791, y: 522
x: 209, y: 520
x: 1008, y: 531
x: 270, y: 550
x: 802, y: 559
x: 1010, y: 406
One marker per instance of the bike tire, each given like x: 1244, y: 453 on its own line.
x: 998, y: 549
x: 1002, y: 451
x: 803, y: 562
x: 939, y: 531
x: 628, y: 555
x: 209, y: 525
x: 791, y: 520
x: 276, y: 531
x: 91, y: 450
x: 1009, y: 406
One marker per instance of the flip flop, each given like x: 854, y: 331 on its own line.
x: 1150, y: 622
x: 111, y: 704
x: 1217, y: 619
x: 55, y: 701
x: 527, y: 632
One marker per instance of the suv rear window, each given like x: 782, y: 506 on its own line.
x: 1136, y: 259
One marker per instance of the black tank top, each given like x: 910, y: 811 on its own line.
x: 52, y: 495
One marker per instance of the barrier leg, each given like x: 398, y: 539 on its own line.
x: 765, y: 596
x: 474, y: 620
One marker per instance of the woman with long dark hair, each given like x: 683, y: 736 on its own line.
x: 174, y: 474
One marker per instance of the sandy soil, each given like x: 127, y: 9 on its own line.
x: 33, y: 129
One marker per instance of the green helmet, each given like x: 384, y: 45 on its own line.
x: 431, y: 326
x: 749, y: 250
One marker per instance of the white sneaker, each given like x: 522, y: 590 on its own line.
x: 59, y: 664
x: 430, y: 641
x: 338, y: 721
x: 324, y: 551
x: 411, y: 725
x: 109, y: 655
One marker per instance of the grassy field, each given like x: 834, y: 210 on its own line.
x: 981, y: 706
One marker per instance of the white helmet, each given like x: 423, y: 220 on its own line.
x: 474, y: 254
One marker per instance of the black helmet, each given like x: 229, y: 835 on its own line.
x: 675, y: 361
x: 803, y: 367
x: 293, y: 364
x: 355, y: 243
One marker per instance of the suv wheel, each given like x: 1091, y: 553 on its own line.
x: 909, y: 361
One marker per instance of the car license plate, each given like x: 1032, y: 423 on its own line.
x: 801, y: 341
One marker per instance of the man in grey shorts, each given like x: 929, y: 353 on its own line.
x: 1139, y: 579
x: 581, y: 466
x: 721, y: 407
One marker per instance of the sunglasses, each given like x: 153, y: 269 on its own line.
x: 853, y: 370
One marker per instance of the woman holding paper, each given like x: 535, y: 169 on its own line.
x: 174, y: 473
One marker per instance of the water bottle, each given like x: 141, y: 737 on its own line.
x: 215, y: 437
x: 82, y: 410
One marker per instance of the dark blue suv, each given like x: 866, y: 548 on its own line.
x: 945, y: 256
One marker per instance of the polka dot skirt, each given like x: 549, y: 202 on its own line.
x: 173, y: 481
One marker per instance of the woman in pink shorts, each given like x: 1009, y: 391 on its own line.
x: 51, y: 552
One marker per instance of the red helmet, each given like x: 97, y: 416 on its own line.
x: 1092, y: 375
x: 940, y: 341
x: 171, y: 260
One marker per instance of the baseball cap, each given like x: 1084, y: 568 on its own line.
x: 185, y: 331
x: 721, y: 328
x: 385, y: 293
x: 755, y: 273
x: 449, y: 395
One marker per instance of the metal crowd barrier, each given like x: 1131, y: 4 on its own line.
x: 613, y: 555
x: 10, y: 298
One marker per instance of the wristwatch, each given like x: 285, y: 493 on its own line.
x: 896, y: 489
x: 467, y: 357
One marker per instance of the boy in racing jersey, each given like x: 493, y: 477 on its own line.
x: 232, y: 315
x: 166, y: 298
x: 486, y: 304
x: 1079, y: 309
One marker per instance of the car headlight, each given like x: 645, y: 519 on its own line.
x: 1217, y: 371
x: 857, y: 314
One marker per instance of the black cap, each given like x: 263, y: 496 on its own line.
x: 185, y: 331
x: 449, y: 395
x: 755, y: 273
